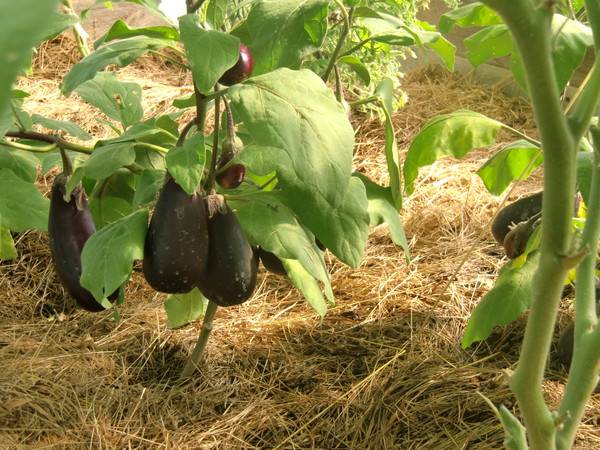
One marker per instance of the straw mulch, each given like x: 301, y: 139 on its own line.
x: 384, y: 369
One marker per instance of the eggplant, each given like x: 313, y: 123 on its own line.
x: 176, y: 247
x: 241, y: 70
x: 230, y: 276
x: 232, y: 176
x: 70, y: 224
x: 271, y: 262
x: 517, y: 212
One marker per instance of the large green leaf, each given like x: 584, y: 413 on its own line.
x: 185, y: 308
x: 146, y: 191
x: 118, y: 100
x: 61, y: 125
x: 112, y: 198
x: 7, y: 245
x: 216, y: 13
x: 210, y: 52
x: 271, y: 225
x: 300, y: 131
x: 383, y: 210
x: 309, y: 287
x: 492, y: 42
x: 23, y: 164
x: 23, y: 24
x: 57, y: 23
x: 108, y: 255
x: 120, y: 30
x: 121, y: 53
x: 472, y: 15
x: 453, y: 134
x: 281, y: 33
x: 186, y: 163
x: 508, y: 299
x: 514, y: 162
x: 385, y: 91
x: 107, y: 159
x: 21, y: 205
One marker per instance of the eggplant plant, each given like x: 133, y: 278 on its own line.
x: 546, y: 42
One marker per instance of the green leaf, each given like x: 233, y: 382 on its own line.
x: 516, y: 161
x: 121, y: 53
x: 473, y: 15
x: 118, y: 100
x: 308, y: 141
x: 281, y: 33
x: 186, y: 163
x: 107, y: 159
x: 23, y: 164
x: 385, y: 91
x: 112, y: 198
x: 358, y: 67
x: 271, y: 225
x: 147, y: 187
x: 515, y: 432
x: 120, y: 30
x: 185, y: 102
x: 216, y: 13
x: 210, y: 52
x: 21, y: 205
x: 22, y: 25
x: 306, y: 284
x: 62, y: 125
x: 490, y: 43
x: 382, y: 210
x: 508, y: 299
x: 8, y: 250
x: 185, y: 308
x: 57, y: 23
x: 453, y: 134
x: 108, y: 255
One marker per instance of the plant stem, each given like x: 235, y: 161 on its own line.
x: 51, y: 139
x: 343, y: 34
x: 184, y: 132
x: 584, y: 366
x: 522, y: 135
x: 530, y: 27
x: 170, y: 59
x: 78, y: 31
x: 66, y: 163
x: 29, y: 148
x: 207, y: 326
x: 365, y: 101
x: 156, y: 148
x: 215, y: 149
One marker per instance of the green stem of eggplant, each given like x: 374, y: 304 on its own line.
x: 66, y: 162
x: 230, y: 122
x: 215, y: 150
x: 207, y: 325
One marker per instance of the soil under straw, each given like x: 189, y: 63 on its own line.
x: 384, y: 369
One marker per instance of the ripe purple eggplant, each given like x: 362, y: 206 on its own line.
x: 176, y: 247
x: 241, y: 70
x: 70, y: 224
x: 519, y: 211
x: 271, y: 262
x: 230, y: 276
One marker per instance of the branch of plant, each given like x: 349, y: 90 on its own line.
x: 530, y: 27
x: 153, y: 147
x: 215, y: 149
x: 522, y: 135
x: 185, y: 130
x: 586, y: 104
x: 342, y: 38
x: 78, y: 31
x: 339, y: 88
x: 207, y: 326
x: 584, y: 366
x: 51, y: 139
x: 230, y: 121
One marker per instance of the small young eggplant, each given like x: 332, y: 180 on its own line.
x: 271, y: 262
x: 176, y: 248
x: 70, y: 224
x: 230, y: 276
x: 519, y: 211
x: 241, y: 70
x: 232, y: 176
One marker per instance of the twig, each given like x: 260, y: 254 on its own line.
x: 186, y: 129
x: 343, y: 34
x: 51, y: 139
x: 207, y: 326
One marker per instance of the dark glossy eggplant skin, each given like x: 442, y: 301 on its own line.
x: 231, y: 177
x: 241, y: 70
x: 176, y: 247
x: 519, y: 211
x: 70, y: 224
x: 271, y: 262
x: 230, y: 276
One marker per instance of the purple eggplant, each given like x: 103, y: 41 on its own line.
x: 70, y: 224
x: 176, y: 248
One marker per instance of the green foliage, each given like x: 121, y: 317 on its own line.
x: 185, y: 308
x: 186, y: 163
x: 510, y: 297
x: 108, y: 255
x: 21, y: 205
x: 7, y: 245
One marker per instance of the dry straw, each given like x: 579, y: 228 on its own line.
x: 384, y: 369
